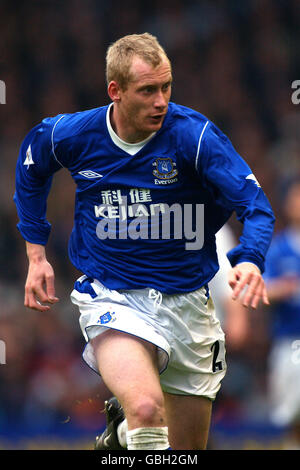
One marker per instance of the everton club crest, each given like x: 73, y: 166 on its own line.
x: 165, y: 169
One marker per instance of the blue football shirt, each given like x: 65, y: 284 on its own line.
x: 147, y: 219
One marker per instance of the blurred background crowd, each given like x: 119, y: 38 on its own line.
x: 233, y: 61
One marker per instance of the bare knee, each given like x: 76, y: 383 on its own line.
x: 146, y: 411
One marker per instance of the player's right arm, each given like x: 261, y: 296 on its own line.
x: 35, y: 167
x: 39, y: 286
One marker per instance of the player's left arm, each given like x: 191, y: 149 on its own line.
x: 236, y: 189
x: 35, y: 168
x: 248, y: 274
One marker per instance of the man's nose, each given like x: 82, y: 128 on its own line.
x: 160, y: 100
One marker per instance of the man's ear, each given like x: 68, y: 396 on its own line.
x: 114, y: 91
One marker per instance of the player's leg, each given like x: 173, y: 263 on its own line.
x: 195, y: 370
x: 188, y: 420
x: 128, y: 366
x: 127, y: 355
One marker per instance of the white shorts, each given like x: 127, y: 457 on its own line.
x: 183, y: 327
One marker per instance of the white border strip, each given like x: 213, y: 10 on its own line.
x: 199, y: 143
x: 52, y: 141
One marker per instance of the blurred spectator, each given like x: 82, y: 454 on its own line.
x: 283, y: 283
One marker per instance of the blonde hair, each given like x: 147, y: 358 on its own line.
x: 119, y: 56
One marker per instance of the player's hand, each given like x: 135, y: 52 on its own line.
x: 39, y: 287
x: 247, y: 275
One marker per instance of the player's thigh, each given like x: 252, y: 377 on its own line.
x: 128, y: 366
x: 188, y: 418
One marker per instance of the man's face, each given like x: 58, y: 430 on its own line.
x: 144, y: 104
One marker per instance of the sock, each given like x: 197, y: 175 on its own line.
x: 148, y: 439
x: 121, y: 432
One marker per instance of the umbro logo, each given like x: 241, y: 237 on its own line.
x: 252, y: 177
x: 90, y: 174
x: 28, y: 160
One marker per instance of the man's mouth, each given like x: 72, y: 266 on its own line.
x: 157, y: 117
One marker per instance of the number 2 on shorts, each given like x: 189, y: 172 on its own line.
x: 216, y: 365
